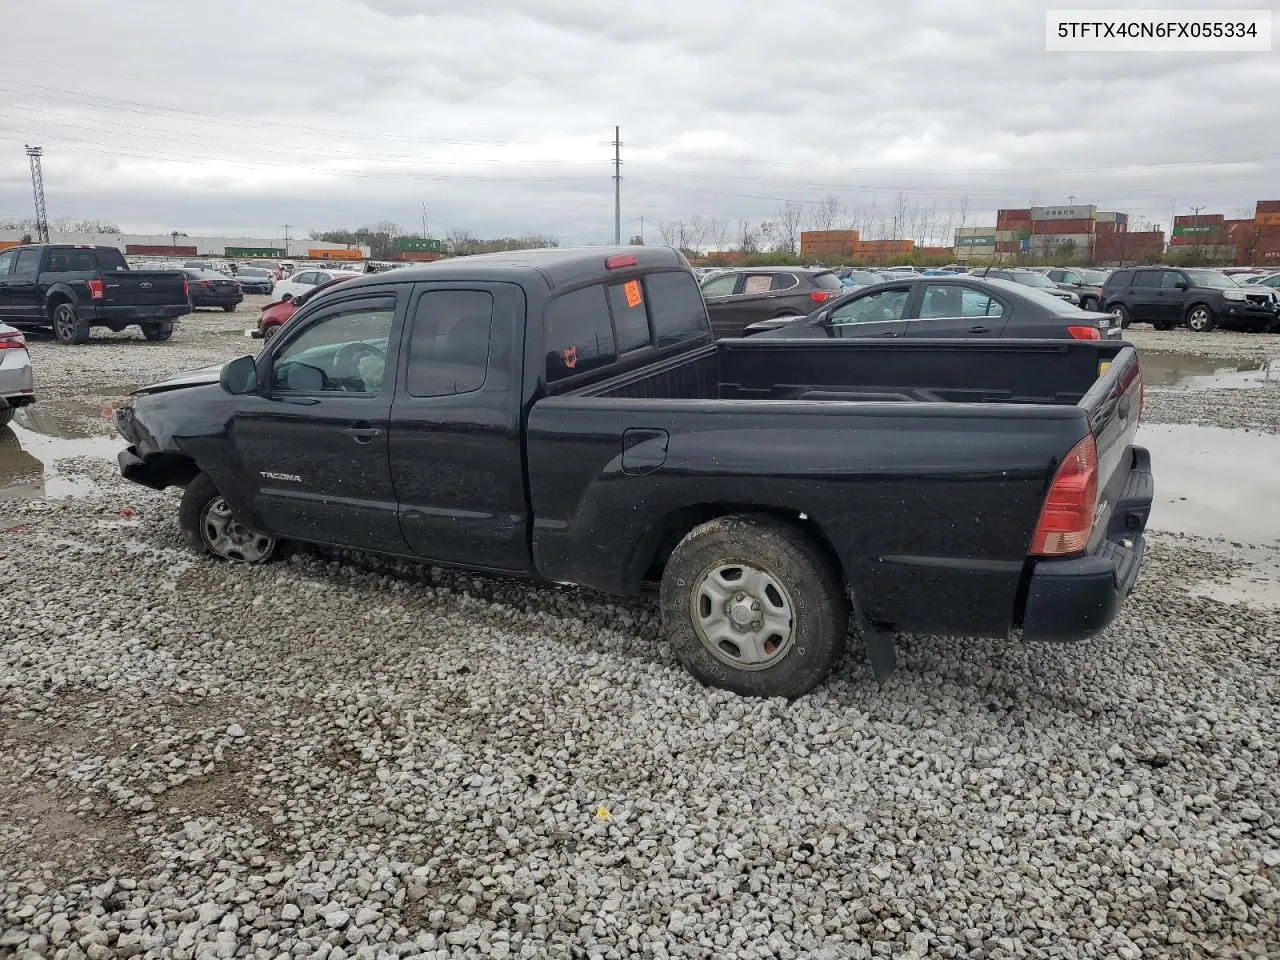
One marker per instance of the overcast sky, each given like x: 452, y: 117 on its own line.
x: 498, y: 115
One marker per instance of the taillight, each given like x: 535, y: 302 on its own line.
x: 1066, y: 519
x: 1084, y: 333
x: 620, y: 260
x: 12, y: 341
x: 818, y: 296
x: 207, y: 284
x: 186, y: 287
x: 95, y: 289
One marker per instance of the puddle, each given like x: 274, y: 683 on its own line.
x: 67, y: 419
x: 1168, y: 368
x: 1257, y: 586
x: 1214, y: 482
x: 31, y: 464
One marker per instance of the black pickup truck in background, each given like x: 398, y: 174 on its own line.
x: 567, y: 415
x: 73, y: 288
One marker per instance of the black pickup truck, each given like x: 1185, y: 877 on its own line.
x: 75, y: 287
x: 567, y: 415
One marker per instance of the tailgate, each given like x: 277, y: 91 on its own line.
x: 1113, y: 406
x: 144, y: 288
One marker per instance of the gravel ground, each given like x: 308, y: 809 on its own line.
x: 338, y: 756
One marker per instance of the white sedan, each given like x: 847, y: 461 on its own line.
x: 304, y: 280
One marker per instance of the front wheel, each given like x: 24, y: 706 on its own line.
x: 1200, y: 319
x: 6, y: 416
x: 209, y: 526
x: 158, y: 331
x: 69, y: 326
x: 750, y: 604
x: 1123, y: 313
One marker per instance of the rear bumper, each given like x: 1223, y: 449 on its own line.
x: 1077, y: 598
x: 130, y: 314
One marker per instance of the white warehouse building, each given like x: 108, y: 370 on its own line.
x: 239, y: 248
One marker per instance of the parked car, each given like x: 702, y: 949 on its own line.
x: 1272, y: 281
x: 554, y: 414
x: 956, y: 306
x: 274, y: 315
x: 73, y: 288
x: 1084, y: 283
x: 211, y: 289
x: 304, y: 279
x: 741, y: 297
x: 255, y: 280
x: 198, y: 265
x: 853, y: 277
x: 17, y: 385
x: 1026, y: 277
x: 1166, y: 297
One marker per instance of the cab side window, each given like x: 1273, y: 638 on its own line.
x: 344, y: 352
x: 579, y: 333
x: 449, y: 343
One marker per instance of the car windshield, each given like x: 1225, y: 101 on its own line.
x: 864, y: 277
x: 1032, y: 279
x: 1095, y: 278
x: 827, y: 281
x: 205, y: 274
x: 1212, y: 280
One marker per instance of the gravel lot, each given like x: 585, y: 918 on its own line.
x: 336, y: 756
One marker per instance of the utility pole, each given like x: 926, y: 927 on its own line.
x: 286, y: 239
x: 1195, y: 226
x: 1071, y: 199
x: 425, y: 235
x: 617, y: 185
x: 642, y: 230
x: 37, y: 188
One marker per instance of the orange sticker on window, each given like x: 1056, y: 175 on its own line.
x: 632, y: 289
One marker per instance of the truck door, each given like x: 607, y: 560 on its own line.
x: 315, y: 446
x: 456, y: 451
x: 19, y: 302
x: 7, y: 258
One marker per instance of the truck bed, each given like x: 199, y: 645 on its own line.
x: 926, y: 371
x: 924, y: 464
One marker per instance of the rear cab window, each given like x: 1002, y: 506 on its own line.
x: 592, y: 327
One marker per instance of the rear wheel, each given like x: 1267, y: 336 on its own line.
x: 6, y: 415
x: 69, y: 326
x: 209, y: 526
x: 1088, y: 303
x: 750, y: 604
x: 1125, y: 316
x: 270, y: 331
x: 158, y: 331
x: 1200, y: 319
x: 228, y: 307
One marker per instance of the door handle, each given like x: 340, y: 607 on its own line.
x: 363, y: 434
x: 979, y: 329
x: 889, y: 334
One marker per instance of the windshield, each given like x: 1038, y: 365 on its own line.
x: 1095, y: 278
x: 1211, y: 280
x: 1030, y: 279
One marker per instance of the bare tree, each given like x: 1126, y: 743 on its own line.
x: 787, y: 222
x: 964, y: 210
x: 461, y: 242
x: 901, y: 202
x: 696, y: 234
x: 718, y: 232
x: 827, y: 213
x: 672, y: 232
x: 748, y: 237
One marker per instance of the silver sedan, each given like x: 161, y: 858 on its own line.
x: 17, y: 385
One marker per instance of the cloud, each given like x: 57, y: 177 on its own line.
x: 499, y: 115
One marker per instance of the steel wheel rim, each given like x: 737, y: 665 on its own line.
x: 228, y: 538
x: 743, y: 615
x: 1199, y: 319
x: 64, y: 322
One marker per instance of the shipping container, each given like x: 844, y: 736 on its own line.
x: 1198, y: 220
x: 974, y: 231
x: 1007, y: 246
x: 1009, y: 216
x: 1268, y: 206
x: 1079, y: 225
x: 1076, y: 212
x: 327, y: 253
x: 935, y: 251
x: 6, y: 244
x: 1267, y: 231
x: 255, y: 253
x: 976, y: 240
x: 1108, y: 216
x: 417, y: 244
x: 157, y: 250
x: 418, y: 256
x: 1267, y: 219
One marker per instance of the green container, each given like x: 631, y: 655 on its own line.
x: 255, y: 253
x: 417, y: 245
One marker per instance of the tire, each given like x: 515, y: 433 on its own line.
x: 1126, y: 318
x: 1163, y: 325
x: 203, y: 513
x: 780, y: 569
x: 1088, y: 303
x: 6, y: 416
x: 1200, y: 319
x: 228, y: 307
x: 69, y: 326
x: 158, y: 331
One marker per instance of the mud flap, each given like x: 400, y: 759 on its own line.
x: 882, y: 651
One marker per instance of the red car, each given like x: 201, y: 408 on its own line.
x: 273, y: 315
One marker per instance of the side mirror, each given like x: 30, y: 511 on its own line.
x: 240, y: 376
x: 824, y: 318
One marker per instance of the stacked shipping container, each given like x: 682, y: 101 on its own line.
x: 828, y: 244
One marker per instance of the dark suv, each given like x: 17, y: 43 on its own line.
x: 741, y: 297
x: 1202, y: 299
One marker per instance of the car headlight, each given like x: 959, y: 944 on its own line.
x: 1233, y: 295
